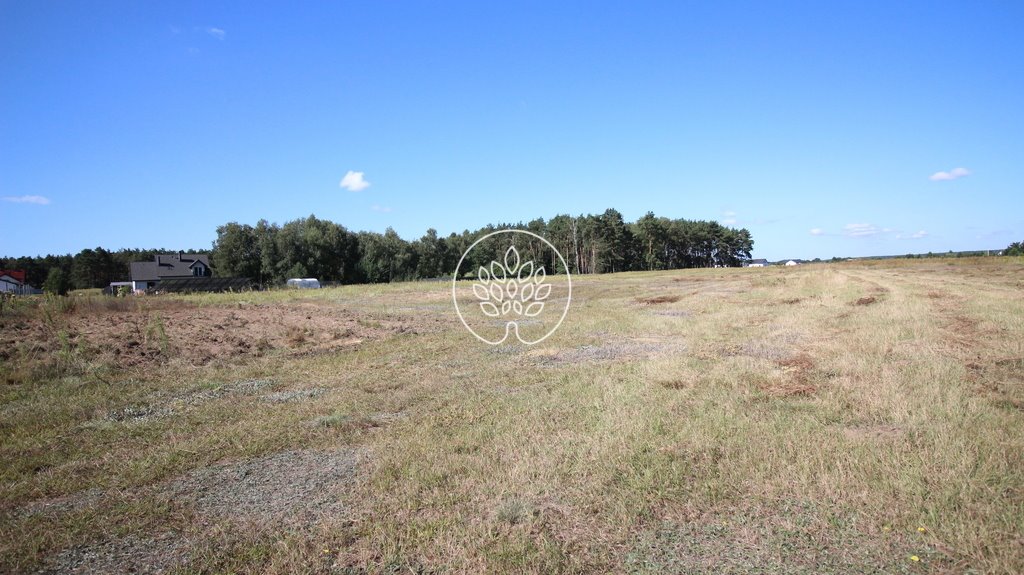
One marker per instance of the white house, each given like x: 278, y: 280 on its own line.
x: 792, y: 263
x: 9, y: 284
x: 13, y: 281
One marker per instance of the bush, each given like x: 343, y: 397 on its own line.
x: 57, y: 282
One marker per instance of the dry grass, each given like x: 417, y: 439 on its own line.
x: 735, y: 436
x: 659, y: 299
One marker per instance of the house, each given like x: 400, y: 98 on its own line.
x: 757, y: 263
x: 146, y: 275
x: 792, y: 263
x: 13, y: 281
x: 10, y: 284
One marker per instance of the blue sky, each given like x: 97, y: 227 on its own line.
x: 825, y: 128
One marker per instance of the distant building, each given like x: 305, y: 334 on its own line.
x: 13, y: 281
x: 8, y: 284
x: 792, y: 263
x: 146, y: 275
x: 304, y: 283
x: 760, y: 263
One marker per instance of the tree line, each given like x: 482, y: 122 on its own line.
x: 312, y: 247
x: 270, y: 253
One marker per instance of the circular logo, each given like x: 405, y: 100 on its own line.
x: 510, y: 290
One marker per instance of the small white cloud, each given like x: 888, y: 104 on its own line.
x: 860, y: 230
x: 914, y: 236
x: 817, y: 231
x: 354, y: 182
x: 953, y: 174
x: 729, y: 221
x: 382, y: 209
x: 38, y: 200
x: 729, y: 214
x: 217, y: 33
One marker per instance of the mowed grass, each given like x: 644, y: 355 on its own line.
x: 840, y: 418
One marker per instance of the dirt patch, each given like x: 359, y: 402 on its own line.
x: 1001, y: 380
x: 867, y: 300
x: 179, y: 331
x: 798, y: 376
x: 782, y: 386
x: 129, y: 554
x: 659, y: 299
x: 283, y: 488
x: 791, y: 301
x: 800, y: 363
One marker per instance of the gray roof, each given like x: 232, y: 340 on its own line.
x: 167, y: 266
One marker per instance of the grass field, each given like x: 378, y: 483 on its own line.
x: 840, y: 418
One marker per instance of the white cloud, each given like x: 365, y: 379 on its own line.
x: 217, y: 33
x: 729, y: 221
x: 383, y: 209
x: 914, y: 236
x: 729, y: 214
x: 953, y: 174
x: 354, y: 182
x: 817, y: 232
x: 860, y: 230
x: 39, y: 200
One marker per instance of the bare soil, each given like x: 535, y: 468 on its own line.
x: 659, y: 299
x: 195, y: 335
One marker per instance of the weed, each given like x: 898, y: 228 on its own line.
x: 156, y: 334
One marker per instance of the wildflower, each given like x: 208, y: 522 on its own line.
x: 915, y: 558
x: 886, y: 528
x: 326, y: 550
x: 921, y: 530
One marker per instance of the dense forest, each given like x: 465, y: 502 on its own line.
x: 603, y: 243
x: 311, y: 247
